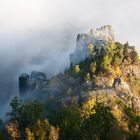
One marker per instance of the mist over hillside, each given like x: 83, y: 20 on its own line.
x: 40, y: 35
x: 48, y: 53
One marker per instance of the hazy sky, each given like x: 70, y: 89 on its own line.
x: 40, y: 34
x: 24, y: 17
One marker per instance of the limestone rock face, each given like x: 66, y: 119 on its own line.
x: 100, y: 36
x: 104, y: 33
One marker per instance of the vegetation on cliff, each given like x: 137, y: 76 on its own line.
x: 108, y: 61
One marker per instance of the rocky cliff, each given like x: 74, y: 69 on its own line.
x: 98, y: 37
x: 122, y: 81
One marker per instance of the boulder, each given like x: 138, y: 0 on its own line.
x: 35, y: 75
x: 116, y: 83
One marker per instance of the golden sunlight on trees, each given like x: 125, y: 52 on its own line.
x: 93, y: 119
x: 12, y: 129
x: 93, y: 67
x: 76, y: 68
x: 87, y: 77
x: 42, y: 130
x: 108, y: 57
x: 88, y: 108
x: 29, y: 134
x: 106, y: 63
x: 54, y: 133
x: 91, y: 50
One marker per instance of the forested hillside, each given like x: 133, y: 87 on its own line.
x: 97, y: 98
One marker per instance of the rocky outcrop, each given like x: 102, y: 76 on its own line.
x: 35, y: 75
x: 37, y: 81
x: 103, y: 33
x: 23, y: 83
x: 121, y: 86
x: 100, y: 37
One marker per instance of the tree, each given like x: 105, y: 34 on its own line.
x: 15, y: 105
x: 69, y: 121
x: 108, y: 57
x: 42, y: 130
x: 111, y: 49
x: 76, y: 69
x: 91, y: 50
x: 130, y: 53
x: 100, y: 123
x: 93, y: 67
x: 126, y: 48
x: 87, y: 77
x: 106, y: 63
x: 134, y: 56
x: 118, y: 56
x: 54, y: 133
x: 25, y: 113
x: 13, y: 131
x: 133, y: 123
x: 88, y: 108
x: 29, y: 134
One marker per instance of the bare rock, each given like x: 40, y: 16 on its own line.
x: 23, y: 83
x: 35, y: 82
x: 35, y: 75
x: 121, y: 86
x: 100, y: 36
